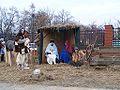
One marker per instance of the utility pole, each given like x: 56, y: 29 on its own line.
x: 32, y: 30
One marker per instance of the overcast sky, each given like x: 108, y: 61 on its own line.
x: 85, y: 11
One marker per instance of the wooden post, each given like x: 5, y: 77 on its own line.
x: 77, y: 37
x: 41, y: 48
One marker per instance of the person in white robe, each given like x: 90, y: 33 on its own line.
x: 51, y: 52
x: 51, y: 57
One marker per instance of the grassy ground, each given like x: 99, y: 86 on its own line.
x: 64, y: 75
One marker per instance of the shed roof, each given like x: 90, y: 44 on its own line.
x: 60, y: 27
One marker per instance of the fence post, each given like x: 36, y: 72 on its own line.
x: 108, y: 36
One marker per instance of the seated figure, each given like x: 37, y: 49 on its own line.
x: 51, y: 57
x: 51, y: 52
x: 66, y: 53
x: 64, y: 56
x: 77, y: 57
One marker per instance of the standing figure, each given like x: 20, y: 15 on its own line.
x: 17, y: 48
x: 10, y: 53
x: 51, y: 57
x: 26, y: 44
x: 23, y: 50
x: 20, y: 34
x: 21, y: 57
x: 2, y: 51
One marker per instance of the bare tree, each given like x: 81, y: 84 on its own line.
x: 44, y: 17
x: 62, y: 17
x: 118, y: 23
x: 50, y: 16
x: 32, y: 8
x: 25, y: 20
x: 8, y: 20
x: 11, y: 20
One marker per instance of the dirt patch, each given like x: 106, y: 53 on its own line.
x: 65, y: 75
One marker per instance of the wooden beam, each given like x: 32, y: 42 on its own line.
x: 40, y: 48
x: 77, y: 37
x: 105, y: 62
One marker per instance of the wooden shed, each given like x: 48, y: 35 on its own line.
x: 60, y: 33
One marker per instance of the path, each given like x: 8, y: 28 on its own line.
x: 8, y: 86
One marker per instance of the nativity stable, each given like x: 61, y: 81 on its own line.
x: 60, y: 33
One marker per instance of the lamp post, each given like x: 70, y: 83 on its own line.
x: 32, y: 30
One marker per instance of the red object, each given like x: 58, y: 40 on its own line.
x: 68, y: 47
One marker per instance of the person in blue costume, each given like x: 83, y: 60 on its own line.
x: 64, y: 56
